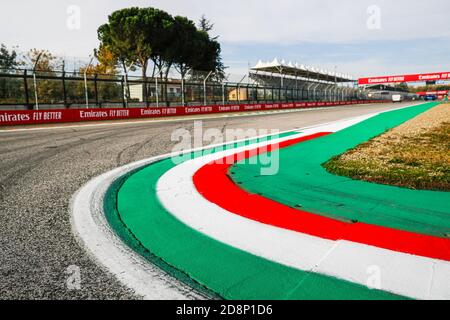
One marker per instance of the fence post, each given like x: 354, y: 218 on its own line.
x: 223, y: 93
x: 85, y: 83
x: 25, y: 86
x: 247, y: 94
x: 238, y: 93
x: 257, y: 94
x: 64, y: 88
x: 35, y: 90
x: 86, y: 90
x: 96, y: 90
x: 122, y: 80
x: 204, y: 93
x: 156, y: 91
x: 145, y: 91
x: 148, y: 92
x: 204, y: 87
x: 182, y: 91
x: 127, y: 89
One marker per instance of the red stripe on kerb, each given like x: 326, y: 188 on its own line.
x: 214, y: 184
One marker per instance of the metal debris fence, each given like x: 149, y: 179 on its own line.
x: 28, y: 89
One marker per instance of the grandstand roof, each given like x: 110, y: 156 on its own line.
x: 303, y: 71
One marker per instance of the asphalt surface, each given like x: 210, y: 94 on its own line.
x: 40, y: 170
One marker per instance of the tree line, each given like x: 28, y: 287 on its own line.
x: 133, y: 38
x: 435, y: 87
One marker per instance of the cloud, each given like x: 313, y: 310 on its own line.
x: 344, y: 21
x: 321, y: 32
x: 257, y: 21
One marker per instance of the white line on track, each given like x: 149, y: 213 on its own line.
x: 93, y: 232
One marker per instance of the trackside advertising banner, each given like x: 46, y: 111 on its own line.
x: 406, y: 78
x: 438, y: 93
x: 21, y: 117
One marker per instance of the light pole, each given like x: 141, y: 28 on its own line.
x: 85, y: 82
x: 35, y: 82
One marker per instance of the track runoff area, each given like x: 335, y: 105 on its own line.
x: 261, y: 219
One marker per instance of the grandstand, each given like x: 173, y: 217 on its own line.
x: 308, y: 82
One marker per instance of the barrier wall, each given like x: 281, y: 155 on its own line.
x: 21, y: 117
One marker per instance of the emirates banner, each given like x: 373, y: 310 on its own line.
x: 435, y: 93
x: 20, y: 117
x: 406, y: 78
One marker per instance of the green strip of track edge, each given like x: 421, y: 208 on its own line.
x: 127, y: 236
x: 302, y: 181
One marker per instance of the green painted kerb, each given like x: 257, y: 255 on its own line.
x: 134, y: 211
x: 302, y: 181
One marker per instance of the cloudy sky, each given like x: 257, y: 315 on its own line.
x: 360, y: 37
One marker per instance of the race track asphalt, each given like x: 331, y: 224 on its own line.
x: 40, y: 170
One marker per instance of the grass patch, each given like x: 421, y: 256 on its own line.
x: 415, y: 155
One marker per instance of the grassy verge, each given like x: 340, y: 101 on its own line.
x: 414, y: 155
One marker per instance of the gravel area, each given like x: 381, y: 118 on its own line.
x: 40, y: 171
x: 415, y: 154
x: 423, y: 123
